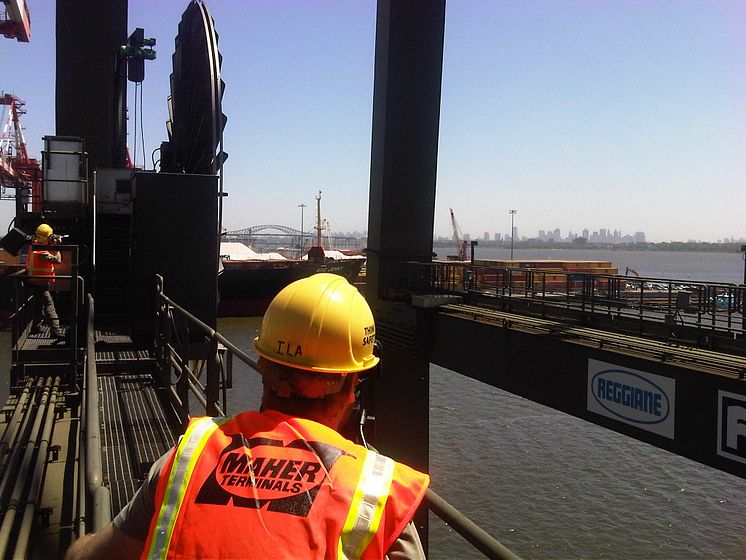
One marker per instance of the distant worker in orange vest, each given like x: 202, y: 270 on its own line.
x: 40, y: 269
x: 282, y: 482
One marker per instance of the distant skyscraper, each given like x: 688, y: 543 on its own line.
x: 498, y: 236
x: 585, y: 233
x: 486, y: 236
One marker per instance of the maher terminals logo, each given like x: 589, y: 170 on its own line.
x: 259, y: 472
x: 634, y: 397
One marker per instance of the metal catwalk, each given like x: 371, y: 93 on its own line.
x: 135, y: 427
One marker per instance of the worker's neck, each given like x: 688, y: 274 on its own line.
x: 331, y: 420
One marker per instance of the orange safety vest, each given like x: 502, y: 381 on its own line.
x: 267, y: 485
x: 39, y: 267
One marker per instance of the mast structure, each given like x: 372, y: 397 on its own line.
x: 316, y: 253
x: 319, y: 223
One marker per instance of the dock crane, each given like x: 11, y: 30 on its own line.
x: 458, y: 239
x: 16, y: 23
x: 17, y: 170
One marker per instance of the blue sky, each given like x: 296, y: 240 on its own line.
x: 590, y: 114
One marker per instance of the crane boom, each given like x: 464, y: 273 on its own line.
x: 16, y: 23
x: 458, y: 239
x: 17, y: 169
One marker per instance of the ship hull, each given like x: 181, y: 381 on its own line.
x: 247, y: 287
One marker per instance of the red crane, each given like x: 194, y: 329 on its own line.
x: 458, y: 238
x: 17, y: 169
x: 16, y: 23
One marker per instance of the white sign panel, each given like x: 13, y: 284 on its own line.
x: 732, y: 426
x: 637, y: 398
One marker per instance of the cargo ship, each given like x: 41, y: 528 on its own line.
x: 247, y: 280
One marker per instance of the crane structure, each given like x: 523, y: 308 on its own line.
x: 17, y: 170
x: 458, y: 238
x: 16, y: 23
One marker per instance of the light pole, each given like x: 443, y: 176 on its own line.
x: 512, y: 230
x: 300, y: 249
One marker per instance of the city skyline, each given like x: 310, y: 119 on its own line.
x: 602, y: 235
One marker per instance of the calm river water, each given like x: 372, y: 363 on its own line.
x: 548, y: 485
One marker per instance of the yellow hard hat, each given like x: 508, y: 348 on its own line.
x: 43, y: 230
x: 321, y: 324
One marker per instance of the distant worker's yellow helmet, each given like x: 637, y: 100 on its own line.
x: 320, y: 324
x: 43, y: 230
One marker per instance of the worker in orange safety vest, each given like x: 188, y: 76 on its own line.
x: 282, y: 482
x: 41, y: 275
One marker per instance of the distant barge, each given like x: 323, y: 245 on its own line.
x: 248, y: 281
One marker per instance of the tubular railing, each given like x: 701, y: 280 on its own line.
x: 465, y: 527
x: 177, y: 352
x: 712, y: 308
x: 174, y: 357
x: 90, y: 435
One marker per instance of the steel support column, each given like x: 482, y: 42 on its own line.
x: 89, y: 34
x: 406, y: 112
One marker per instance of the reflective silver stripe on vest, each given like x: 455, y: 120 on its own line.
x: 368, y: 503
x: 187, y: 453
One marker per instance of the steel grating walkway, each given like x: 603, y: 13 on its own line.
x: 135, y: 433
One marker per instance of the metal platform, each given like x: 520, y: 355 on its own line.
x: 115, y: 353
x: 135, y: 432
x: 136, y: 428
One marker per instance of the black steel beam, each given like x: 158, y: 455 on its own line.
x: 701, y: 416
x: 406, y: 112
x: 89, y: 34
x: 406, y: 117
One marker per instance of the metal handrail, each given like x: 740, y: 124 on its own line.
x: 100, y: 494
x: 206, y: 329
x: 476, y: 536
x: 712, y: 308
x: 166, y: 307
x: 465, y: 527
